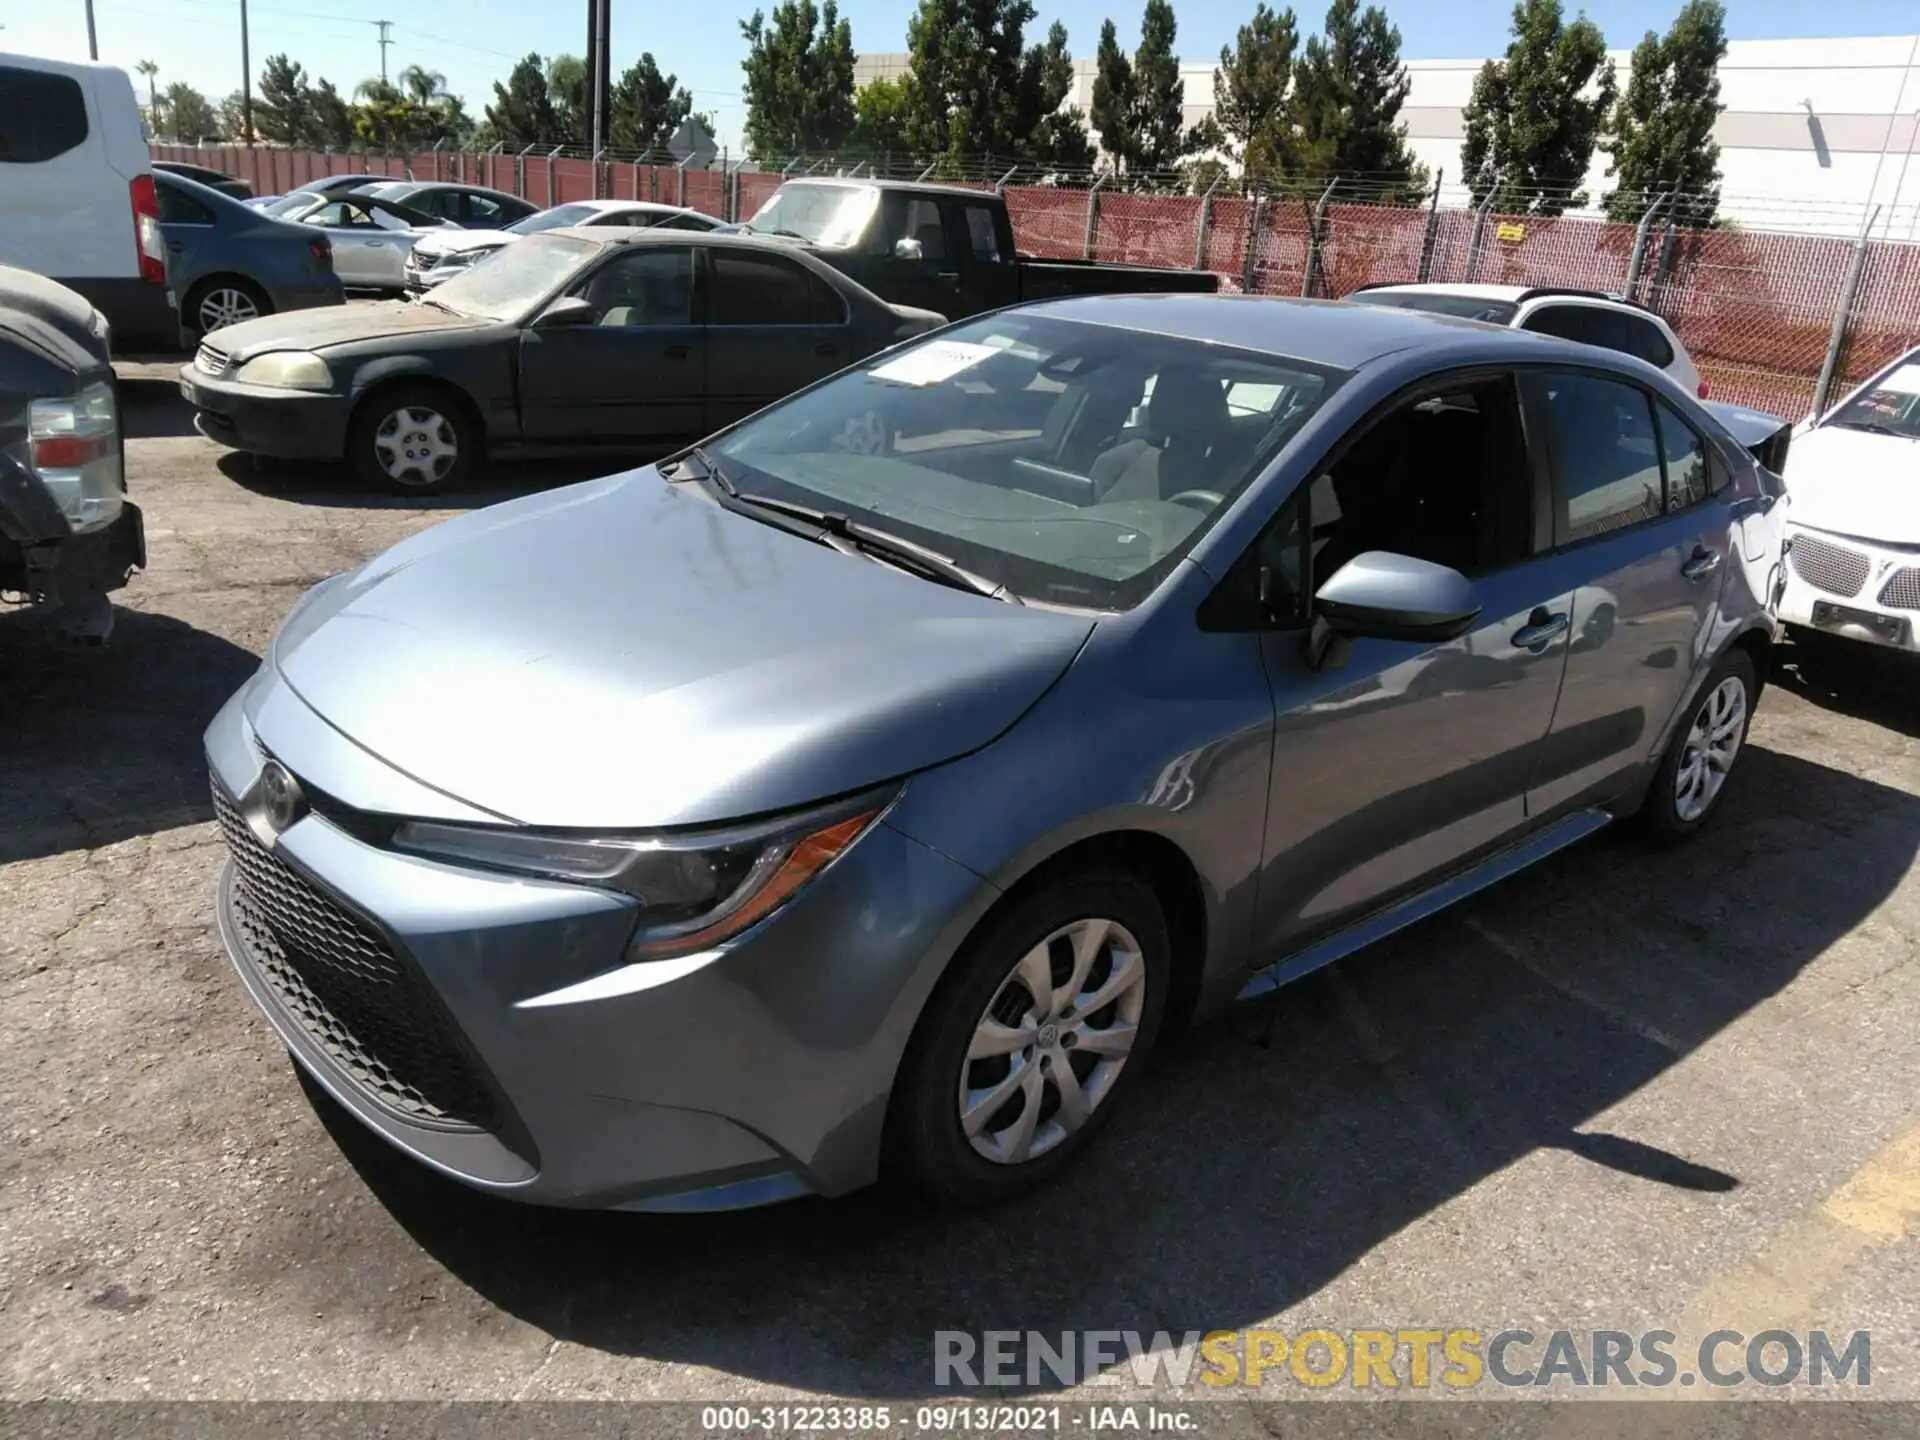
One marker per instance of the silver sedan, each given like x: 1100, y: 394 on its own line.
x: 372, y: 237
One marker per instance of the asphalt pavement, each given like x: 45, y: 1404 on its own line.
x: 1630, y: 1090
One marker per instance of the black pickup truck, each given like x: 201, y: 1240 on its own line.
x: 942, y: 247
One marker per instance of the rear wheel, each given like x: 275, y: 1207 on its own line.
x: 412, y: 440
x: 1031, y: 1039
x: 222, y: 301
x: 1700, y: 757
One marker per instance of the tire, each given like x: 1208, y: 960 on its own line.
x: 218, y: 296
x: 413, y: 439
x: 1683, y: 798
x: 1022, y: 1139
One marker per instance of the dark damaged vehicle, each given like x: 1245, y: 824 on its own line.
x: 68, y: 534
x: 617, y: 339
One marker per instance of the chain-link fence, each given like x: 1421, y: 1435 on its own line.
x: 1763, y: 312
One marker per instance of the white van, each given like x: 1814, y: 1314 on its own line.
x: 77, y: 202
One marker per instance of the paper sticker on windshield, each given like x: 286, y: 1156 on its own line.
x: 1904, y: 381
x: 933, y: 362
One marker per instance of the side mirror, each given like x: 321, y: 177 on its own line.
x: 908, y: 249
x: 567, y: 311
x: 1383, y: 596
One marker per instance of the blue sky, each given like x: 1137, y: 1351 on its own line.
x: 473, y: 42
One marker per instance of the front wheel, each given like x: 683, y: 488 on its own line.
x: 1028, y: 1044
x: 412, y: 440
x: 1700, y: 756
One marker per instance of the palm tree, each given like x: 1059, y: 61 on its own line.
x: 150, y: 69
x: 423, y: 86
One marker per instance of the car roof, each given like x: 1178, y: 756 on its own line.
x: 1326, y: 332
x: 1472, y: 292
x: 414, y: 187
x: 602, y: 207
x: 917, y: 187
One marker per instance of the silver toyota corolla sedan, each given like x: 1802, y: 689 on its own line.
x: 863, y: 789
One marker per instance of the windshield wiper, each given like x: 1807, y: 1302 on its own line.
x: 853, y: 536
x: 709, y: 469
x: 438, y: 304
x: 1873, y: 427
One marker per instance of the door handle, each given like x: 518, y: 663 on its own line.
x: 677, y: 352
x: 1702, y: 563
x: 1543, y: 627
x: 948, y: 278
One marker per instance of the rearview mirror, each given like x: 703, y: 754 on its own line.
x: 568, y: 310
x: 908, y: 249
x: 1383, y: 596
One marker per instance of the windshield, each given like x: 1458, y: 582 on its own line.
x: 289, y: 207
x: 1889, y: 404
x: 515, y: 277
x: 1463, y: 307
x: 833, y: 216
x: 1074, y: 464
x: 553, y: 219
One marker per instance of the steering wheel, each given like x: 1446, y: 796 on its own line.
x: 1204, y: 500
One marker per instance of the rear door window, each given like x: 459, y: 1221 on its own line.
x: 1645, y: 339
x: 750, y: 289
x: 177, y: 208
x: 1588, y: 324
x: 482, y: 211
x: 983, y: 237
x: 1689, y: 477
x: 1607, y: 453
x: 42, y: 116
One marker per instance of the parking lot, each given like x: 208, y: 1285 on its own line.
x: 1629, y: 1090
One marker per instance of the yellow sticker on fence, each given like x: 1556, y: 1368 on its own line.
x: 1510, y: 231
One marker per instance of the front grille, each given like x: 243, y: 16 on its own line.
x: 1902, y: 590
x: 344, y: 985
x: 1836, y: 569
x: 212, y: 361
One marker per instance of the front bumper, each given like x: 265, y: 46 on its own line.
x: 1838, y: 585
x: 751, y: 1073
x: 419, y: 281
x: 265, y: 419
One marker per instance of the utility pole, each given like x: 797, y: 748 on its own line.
x: 93, y: 44
x: 246, y: 79
x: 385, y: 41
x: 599, y: 71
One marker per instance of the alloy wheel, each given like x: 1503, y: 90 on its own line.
x: 416, y: 446
x: 1713, y: 740
x: 1053, y: 1040
x: 226, y: 305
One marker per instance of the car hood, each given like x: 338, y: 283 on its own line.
x: 1854, y: 482
x: 326, y: 325
x: 626, y: 654
x: 449, y: 242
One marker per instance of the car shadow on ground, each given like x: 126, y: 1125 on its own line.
x: 151, y: 408
x: 333, y: 486
x: 100, y: 744
x: 1851, y: 677
x: 1270, y: 1152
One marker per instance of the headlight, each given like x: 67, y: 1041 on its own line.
x: 696, y: 890
x: 287, y: 370
x: 453, y: 259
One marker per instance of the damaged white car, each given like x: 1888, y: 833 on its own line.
x: 1854, y: 528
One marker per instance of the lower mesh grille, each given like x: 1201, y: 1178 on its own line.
x: 1902, y: 590
x: 342, y: 982
x: 1837, y: 569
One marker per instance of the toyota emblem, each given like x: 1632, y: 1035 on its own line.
x: 280, y: 796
